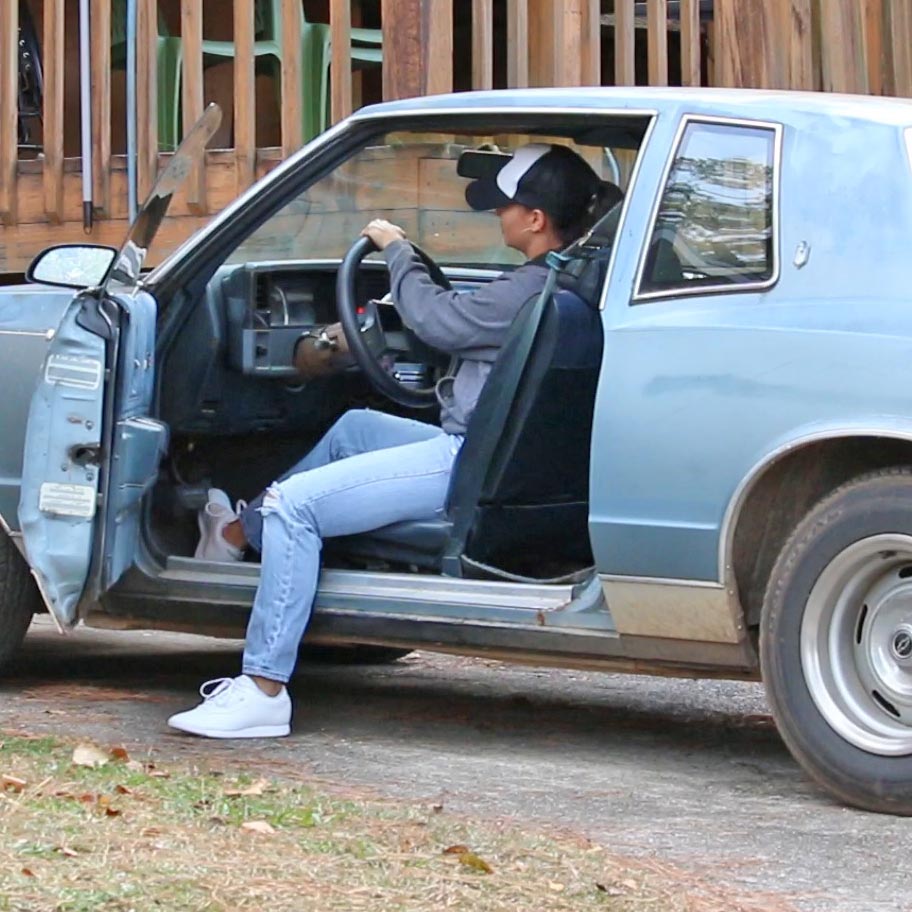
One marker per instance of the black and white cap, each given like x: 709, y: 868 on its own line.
x: 540, y: 176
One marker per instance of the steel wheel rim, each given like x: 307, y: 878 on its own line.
x: 856, y: 644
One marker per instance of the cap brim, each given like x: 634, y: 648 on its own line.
x: 475, y: 164
x: 485, y: 194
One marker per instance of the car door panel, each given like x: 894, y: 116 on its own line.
x: 60, y: 475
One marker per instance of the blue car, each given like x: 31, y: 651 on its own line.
x: 693, y: 456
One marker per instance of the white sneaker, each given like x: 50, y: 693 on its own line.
x: 212, y: 520
x: 236, y: 708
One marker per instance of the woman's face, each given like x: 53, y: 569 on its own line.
x: 517, y: 225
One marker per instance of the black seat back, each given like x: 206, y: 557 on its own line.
x: 525, y: 491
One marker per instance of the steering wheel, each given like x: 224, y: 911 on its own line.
x: 367, y: 341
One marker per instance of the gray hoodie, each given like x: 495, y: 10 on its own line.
x: 471, y: 325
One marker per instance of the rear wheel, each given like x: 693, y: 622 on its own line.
x: 19, y: 599
x: 836, y: 642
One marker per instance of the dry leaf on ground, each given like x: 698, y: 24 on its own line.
x: 252, y: 791
x: 258, y: 826
x: 89, y: 755
x: 456, y: 850
x: 476, y: 862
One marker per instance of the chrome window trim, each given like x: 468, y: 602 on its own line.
x: 628, y: 193
x: 640, y: 297
x: 358, y: 119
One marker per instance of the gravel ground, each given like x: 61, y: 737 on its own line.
x: 690, y: 775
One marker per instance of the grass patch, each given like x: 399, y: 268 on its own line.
x: 129, y: 836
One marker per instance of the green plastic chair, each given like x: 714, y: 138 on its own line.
x: 169, y: 59
x: 315, y: 57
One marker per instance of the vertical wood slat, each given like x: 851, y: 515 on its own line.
x: 53, y: 70
x: 690, y: 43
x: 842, y: 53
x: 101, y: 102
x: 796, y: 26
x: 417, y: 47
x: 341, y: 67
x: 292, y: 115
x: 747, y: 41
x: 192, y: 96
x: 591, y: 43
x: 9, y: 85
x: 437, y: 55
x: 146, y: 96
x: 873, y: 22
x: 624, y: 43
x: 517, y: 44
x: 657, y: 27
x: 899, y: 47
x: 245, y: 95
x: 482, y: 44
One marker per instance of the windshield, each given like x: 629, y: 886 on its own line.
x: 410, y: 179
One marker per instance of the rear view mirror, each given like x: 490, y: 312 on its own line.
x: 71, y: 265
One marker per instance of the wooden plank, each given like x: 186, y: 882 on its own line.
x: 9, y: 84
x: 245, y: 93
x: 899, y: 47
x: 437, y: 59
x: 624, y: 44
x: 747, y: 44
x: 146, y: 96
x: 192, y: 101
x: 53, y: 70
x: 417, y: 47
x: 843, y: 66
x: 292, y: 116
x: 690, y: 43
x: 657, y: 52
x: 482, y: 44
x: 517, y: 44
x: 873, y: 19
x: 101, y: 103
x: 796, y: 30
x: 590, y: 44
x: 341, y: 66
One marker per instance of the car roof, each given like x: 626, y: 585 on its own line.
x: 766, y: 104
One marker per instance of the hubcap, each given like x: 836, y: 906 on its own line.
x: 856, y: 644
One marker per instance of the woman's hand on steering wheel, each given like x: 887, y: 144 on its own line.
x: 367, y: 341
x: 382, y: 233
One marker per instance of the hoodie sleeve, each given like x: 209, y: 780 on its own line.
x: 457, y: 321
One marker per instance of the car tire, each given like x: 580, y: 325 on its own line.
x: 19, y: 599
x: 836, y: 642
x: 350, y: 655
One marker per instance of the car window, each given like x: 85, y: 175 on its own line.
x: 410, y: 179
x: 714, y: 225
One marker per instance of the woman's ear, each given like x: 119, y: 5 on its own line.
x: 538, y: 221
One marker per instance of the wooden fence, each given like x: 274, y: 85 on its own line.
x: 429, y: 46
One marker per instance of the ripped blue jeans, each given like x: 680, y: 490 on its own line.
x: 369, y: 470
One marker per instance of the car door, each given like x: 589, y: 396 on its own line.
x: 91, y: 449
x: 681, y: 340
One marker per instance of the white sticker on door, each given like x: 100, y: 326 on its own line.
x: 67, y: 499
x: 80, y: 373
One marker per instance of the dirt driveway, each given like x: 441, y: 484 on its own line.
x: 688, y: 775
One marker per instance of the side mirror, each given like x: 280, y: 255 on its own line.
x: 71, y: 265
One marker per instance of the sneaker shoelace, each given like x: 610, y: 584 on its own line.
x: 239, y: 507
x: 216, y: 688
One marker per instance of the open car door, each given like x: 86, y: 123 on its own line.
x: 91, y: 449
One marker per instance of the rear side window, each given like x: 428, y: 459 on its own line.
x: 715, y: 222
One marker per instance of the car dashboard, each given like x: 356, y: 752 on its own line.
x: 230, y: 370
